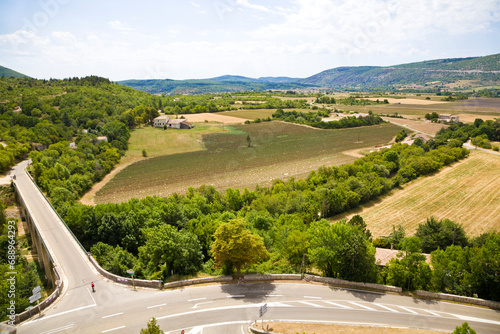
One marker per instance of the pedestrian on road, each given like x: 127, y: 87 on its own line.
x: 92, y: 283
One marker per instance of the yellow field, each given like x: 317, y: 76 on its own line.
x: 466, y: 193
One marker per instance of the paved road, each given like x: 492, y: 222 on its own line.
x: 226, y: 308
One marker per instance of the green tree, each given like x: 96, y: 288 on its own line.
x: 450, y: 268
x: 485, y: 269
x: 342, y: 251
x: 152, y: 328
x: 436, y: 234
x: 464, y: 329
x: 166, y: 249
x: 235, y: 245
x: 409, y: 271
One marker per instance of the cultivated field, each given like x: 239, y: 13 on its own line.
x: 467, y: 110
x: 278, y: 150
x: 156, y: 142
x: 467, y: 193
x: 406, y: 100
x: 256, y: 113
x: 418, y: 125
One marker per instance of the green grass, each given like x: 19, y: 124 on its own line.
x: 158, y: 142
x: 277, y: 149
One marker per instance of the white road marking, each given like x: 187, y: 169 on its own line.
x: 363, y: 306
x: 274, y: 295
x: 272, y: 304
x: 196, y: 330
x: 113, y: 329
x: 159, y: 305
x: 198, y: 304
x: 91, y: 296
x: 195, y: 299
x: 311, y: 304
x: 310, y: 297
x: 387, y: 308
x: 58, y: 314
x: 469, y: 319
x: 407, y: 309
x: 236, y: 296
x: 111, y: 315
x: 55, y: 330
x: 242, y: 330
x: 433, y: 313
x: 339, y: 305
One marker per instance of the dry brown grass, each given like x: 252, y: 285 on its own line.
x: 418, y: 125
x: 309, y: 328
x: 406, y: 101
x: 466, y: 193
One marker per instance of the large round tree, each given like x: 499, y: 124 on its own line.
x: 237, y: 245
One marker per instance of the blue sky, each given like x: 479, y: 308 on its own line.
x: 168, y: 39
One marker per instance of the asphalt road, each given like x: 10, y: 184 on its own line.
x: 218, y: 308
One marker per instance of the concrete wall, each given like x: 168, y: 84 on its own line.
x: 124, y: 280
x: 217, y: 279
x: 274, y: 277
x: 355, y: 285
x: 461, y: 299
x: 44, y: 304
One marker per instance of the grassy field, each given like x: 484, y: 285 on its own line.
x: 278, y: 150
x: 467, y: 193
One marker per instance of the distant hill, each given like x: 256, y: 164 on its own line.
x: 432, y: 73
x: 226, y: 83
x: 453, y: 73
x: 7, y: 72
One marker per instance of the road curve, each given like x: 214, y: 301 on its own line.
x: 218, y: 308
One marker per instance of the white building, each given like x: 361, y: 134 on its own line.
x: 160, y: 121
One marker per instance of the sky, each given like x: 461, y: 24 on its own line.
x: 195, y: 39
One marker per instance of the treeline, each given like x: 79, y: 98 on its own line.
x: 481, y: 132
x: 458, y: 264
x: 127, y: 235
x: 209, y: 103
x: 314, y: 119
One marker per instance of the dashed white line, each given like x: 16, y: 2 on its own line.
x: 387, y: 308
x: 198, y: 304
x: 236, y: 296
x: 433, y: 313
x: 113, y: 329
x: 311, y: 297
x: 55, y: 330
x: 363, y: 306
x: 111, y: 315
x: 311, y: 304
x: 274, y: 295
x: 339, y: 305
x: 195, y: 299
x: 407, y: 309
x: 159, y: 305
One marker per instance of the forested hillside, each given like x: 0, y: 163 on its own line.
x: 7, y: 72
x: 485, y: 70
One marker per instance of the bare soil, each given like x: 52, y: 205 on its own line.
x: 309, y: 328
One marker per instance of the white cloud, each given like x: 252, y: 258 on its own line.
x: 64, y: 36
x: 117, y: 25
x: 247, y: 4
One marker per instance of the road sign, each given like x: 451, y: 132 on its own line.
x: 35, y: 297
x: 262, y: 310
x: 37, y: 289
x: 130, y: 271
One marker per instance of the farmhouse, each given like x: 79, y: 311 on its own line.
x: 101, y: 139
x: 160, y: 121
x: 179, y: 124
x: 448, y: 118
x: 383, y: 256
x: 165, y: 121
